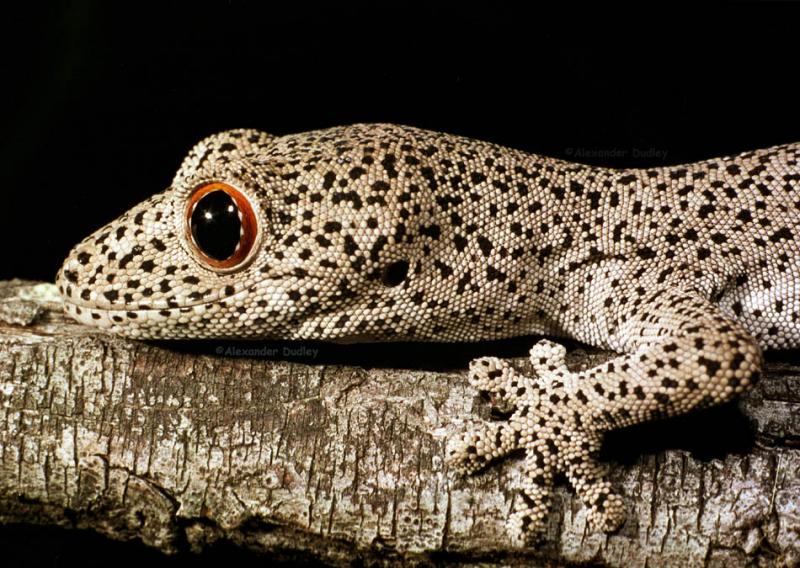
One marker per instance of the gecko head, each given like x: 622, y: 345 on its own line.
x: 315, y: 236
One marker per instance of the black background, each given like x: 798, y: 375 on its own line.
x: 103, y: 100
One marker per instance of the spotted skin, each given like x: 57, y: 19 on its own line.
x: 687, y: 271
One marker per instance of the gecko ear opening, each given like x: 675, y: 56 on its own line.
x: 221, y: 227
x: 395, y: 273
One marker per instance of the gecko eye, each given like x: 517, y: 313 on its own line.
x: 394, y: 274
x: 220, y: 226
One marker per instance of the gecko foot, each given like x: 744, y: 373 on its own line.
x: 552, y: 425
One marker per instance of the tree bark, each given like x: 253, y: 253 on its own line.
x: 182, y: 449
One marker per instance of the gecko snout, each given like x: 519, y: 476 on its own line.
x: 74, y: 281
x: 70, y: 276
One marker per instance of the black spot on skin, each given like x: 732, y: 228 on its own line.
x: 477, y: 177
x: 124, y: 261
x: 388, y: 163
x: 712, y: 367
x: 350, y: 245
x: 780, y: 235
x: 432, y: 231
x: 443, y: 268
x: 351, y: 196
x: 646, y: 253
x: 493, y: 273
x: 485, y: 245
x: 594, y: 199
x: 447, y: 201
x: 380, y: 242
x: 158, y: 244
x: 706, y: 210
x: 381, y: 186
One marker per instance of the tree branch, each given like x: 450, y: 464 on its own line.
x: 181, y: 449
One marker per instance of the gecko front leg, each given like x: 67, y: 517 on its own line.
x: 683, y: 354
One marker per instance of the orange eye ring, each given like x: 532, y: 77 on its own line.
x: 199, y: 210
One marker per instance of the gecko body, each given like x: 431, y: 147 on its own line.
x: 378, y: 232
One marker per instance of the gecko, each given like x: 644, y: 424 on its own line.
x: 381, y: 232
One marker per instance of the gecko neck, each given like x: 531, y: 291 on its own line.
x: 562, y: 221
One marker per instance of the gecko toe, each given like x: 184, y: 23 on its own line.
x: 547, y: 355
x: 531, y: 505
x: 469, y: 453
x: 607, y: 512
x: 484, y: 442
x: 496, y: 378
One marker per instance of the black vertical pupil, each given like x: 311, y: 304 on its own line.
x: 216, y: 225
